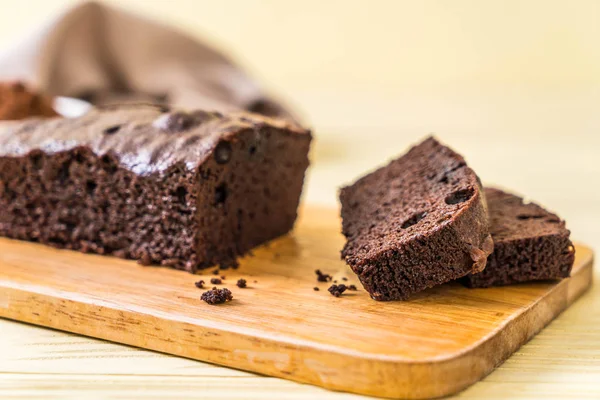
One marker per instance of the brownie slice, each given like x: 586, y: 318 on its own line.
x: 417, y: 222
x: 18, y: 102
x: 181, y: 189
x: 530, y: 243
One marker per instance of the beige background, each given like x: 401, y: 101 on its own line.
x: 513, y: 85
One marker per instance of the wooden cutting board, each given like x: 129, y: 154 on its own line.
x: 438, y: 343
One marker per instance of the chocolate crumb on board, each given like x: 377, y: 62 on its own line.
x: 335, y: 281
x: 344, y: 278
x: 223, y: 277
x: 199, y: 284
x: 215, y: 281
x: 337, y: 290
x: 216, y: 272
x: 241, y: 283
x: 217, y: 296
x: 352, y: 287
x: 316, y: 289
x: 321, y: 277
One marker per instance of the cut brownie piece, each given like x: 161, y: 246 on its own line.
x: 530, y: 243
x: 417, y: 222
x: 185, y: 190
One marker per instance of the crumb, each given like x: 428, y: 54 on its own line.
x: 316, y: 289
x: 344, y: 278
x: 241, y: 283
x: 215, y: 281
x: 217, y: 296
x: 352, y: 287
x: 334, y: 281
x: 223, y: 277
x: 321, y: 277
x: 199, y: 284
x: 216, y: 271
x: 337, y: 290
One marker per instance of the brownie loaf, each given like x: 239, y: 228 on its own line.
x: 17, y: 102
x: 530, y: 243
x: 184, y: 190
x: 418, y: 222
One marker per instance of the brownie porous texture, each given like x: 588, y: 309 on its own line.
x: 217, y: 296
x: 416, y: 223
x: 181, y: 189
x: 530, y: 243
x: 18, y: 102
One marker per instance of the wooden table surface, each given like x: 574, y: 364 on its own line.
x: 522, y: 104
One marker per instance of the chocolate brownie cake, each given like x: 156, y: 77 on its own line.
x: 417, y: 222
x: 530, y: 243
x: 17, y: 102
x: 184, y: 190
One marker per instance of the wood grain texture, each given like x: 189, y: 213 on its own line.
x: 436, y: 344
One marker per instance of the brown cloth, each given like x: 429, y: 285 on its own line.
x: 105, y: 56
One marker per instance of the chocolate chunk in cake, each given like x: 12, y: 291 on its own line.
x: 216, y: 281
x: 241, y: 283
x: 184, y: 190
x: 530, y: 243
x: 337, y: 290
x: 19, y: 102
x: 416, y: 223
x: 217, y: 296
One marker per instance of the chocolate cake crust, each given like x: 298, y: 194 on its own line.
x: 530, y: 243
x: 180, y: 189
x: 417, y: 222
